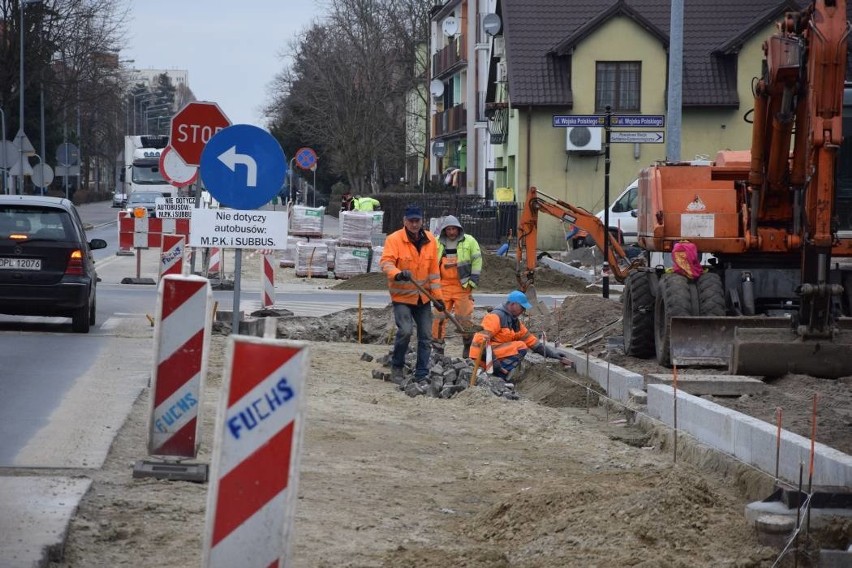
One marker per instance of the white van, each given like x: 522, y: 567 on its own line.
x: 622, y: 213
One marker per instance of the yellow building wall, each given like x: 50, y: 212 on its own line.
x: 580, y: 179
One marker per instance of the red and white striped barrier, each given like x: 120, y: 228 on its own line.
x: 215, y: 261
x: 255, y: 471
x: 267, y: 281
x: 172, y: 255
x: 147, y: 232
x: 181, y: 344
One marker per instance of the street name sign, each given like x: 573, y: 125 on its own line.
x: 193, y: 126
x: 637, y: 137
x: 595, y: 120
x: 560, y: 120
x: 639, y: 120
x: 235, y: 228
x: 243, y: 167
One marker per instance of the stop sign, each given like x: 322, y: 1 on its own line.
x: 193, y: 126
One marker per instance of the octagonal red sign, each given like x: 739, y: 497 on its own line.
x: 193, y: 126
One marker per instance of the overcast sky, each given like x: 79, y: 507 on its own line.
x: 232, y: 49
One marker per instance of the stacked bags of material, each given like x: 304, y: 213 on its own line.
x: 288, y: 255
x: 307, y: 221
x: 350, y: 261
x: 356, y: 228
x: 312, y: 259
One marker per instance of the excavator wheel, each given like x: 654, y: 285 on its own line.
x: 673, y: 299
x: 711, y: 295
x: 638, y: 315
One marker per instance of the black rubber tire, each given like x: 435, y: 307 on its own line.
x: 673, y: 299
x: 711, y: 295
x: 80, y: 322
x: 93, y: 311
x: 638, y: 315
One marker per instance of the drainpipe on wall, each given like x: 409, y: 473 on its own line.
x: 529, y: 140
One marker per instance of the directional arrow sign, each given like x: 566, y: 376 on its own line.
x: 230, y: 158
x: 243, y: 166
x: 637, y: 137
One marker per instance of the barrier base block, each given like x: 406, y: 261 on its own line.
x: 172, y: 471
x: 122, y: 252
x: 146, y: 281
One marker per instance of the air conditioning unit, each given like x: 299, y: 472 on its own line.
x: 584, y: 139
x: 499, y: 47
x: 501, y: 72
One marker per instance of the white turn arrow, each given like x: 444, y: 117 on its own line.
x: 230, y: 158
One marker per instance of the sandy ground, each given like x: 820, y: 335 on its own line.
x: 388, y: 480
x: 475, y: 481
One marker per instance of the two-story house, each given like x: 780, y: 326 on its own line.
x: 552, y: 58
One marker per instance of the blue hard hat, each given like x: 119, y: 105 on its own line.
x: 519, y: 297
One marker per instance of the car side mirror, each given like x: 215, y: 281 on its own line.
x: 95, y: 244
x: 634, y: 213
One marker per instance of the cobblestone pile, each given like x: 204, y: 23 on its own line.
x: 448, y: 376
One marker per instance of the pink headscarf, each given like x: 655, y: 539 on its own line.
x: 685, y: 258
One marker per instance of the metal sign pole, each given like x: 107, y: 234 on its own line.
x: 605, y: 266
x: 238, y: 267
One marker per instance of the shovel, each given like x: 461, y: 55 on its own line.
x: 466, y: 332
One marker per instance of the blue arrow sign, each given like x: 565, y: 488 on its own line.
x: 243, y: 166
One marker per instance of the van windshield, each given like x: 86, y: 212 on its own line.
x: 148, y: 175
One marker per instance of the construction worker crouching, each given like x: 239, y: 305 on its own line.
x: 366, y: 203
x: 460, y: 263
x: 509, y: 337
x: 409, y: 260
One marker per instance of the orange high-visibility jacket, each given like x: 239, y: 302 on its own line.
x: 400, y: 254
x: 500, y: 328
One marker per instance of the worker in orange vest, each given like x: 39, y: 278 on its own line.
x: 411, y: 255
x: 509, y: 337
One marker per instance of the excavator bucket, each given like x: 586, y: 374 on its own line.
x: 708, y: 340
x: 538, y: 307
x: 759, y: 345
x: 776, y: 352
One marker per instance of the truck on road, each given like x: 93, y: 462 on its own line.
x: 140, y: 169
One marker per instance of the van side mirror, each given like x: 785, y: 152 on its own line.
x: 634, y: 213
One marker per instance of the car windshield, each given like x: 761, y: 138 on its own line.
x: 32, y: 222
x: 143, y: 197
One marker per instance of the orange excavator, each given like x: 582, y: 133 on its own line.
x: 777, y: 297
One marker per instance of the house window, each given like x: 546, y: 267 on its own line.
x: 617, y: 85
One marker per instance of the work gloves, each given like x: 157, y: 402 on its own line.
x: 473, y: 282
x: 439, y: 305
x: 403, y: 276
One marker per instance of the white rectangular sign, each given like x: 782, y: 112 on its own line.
x: 698, y: 225
x: 238, y: 228
x: 637, y: 137
x: 174, y: 207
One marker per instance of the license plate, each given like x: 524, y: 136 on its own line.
x: 20, y: 263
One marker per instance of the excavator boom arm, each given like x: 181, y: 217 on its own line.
x: 528, y: 234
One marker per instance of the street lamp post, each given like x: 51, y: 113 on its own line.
x: 143, y: 94
x: 4, y: 167
x: 290, y: 172
x: 21, y: 92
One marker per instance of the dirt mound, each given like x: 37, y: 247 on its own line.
x: 498, y: 275
x: 550, y: 386
x: 577, y: 317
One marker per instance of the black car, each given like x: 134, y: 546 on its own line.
x: 46, y: 264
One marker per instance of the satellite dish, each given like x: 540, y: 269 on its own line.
x: 450, y: 27
x: 491, y: 23
x: 436, y: 87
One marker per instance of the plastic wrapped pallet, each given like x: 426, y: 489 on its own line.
x: 376, y: 259
x: 356, y: 228
x: 312, y: 259
x: 307, y: 221
x: 331, y: 244
x: 350, y: 261
x: 378, y: 221
x: 288, y: 255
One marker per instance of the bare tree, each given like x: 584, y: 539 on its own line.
x: 348, y: 83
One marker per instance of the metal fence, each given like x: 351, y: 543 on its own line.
x: 487, y: 221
